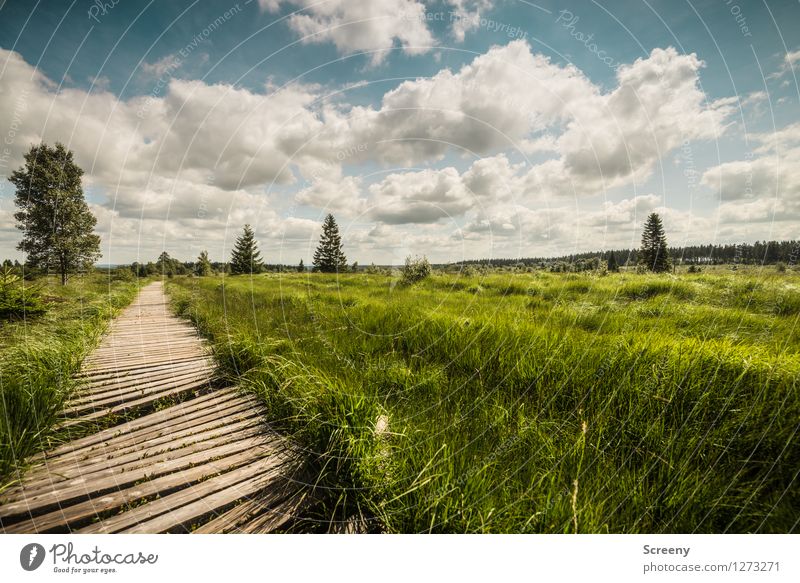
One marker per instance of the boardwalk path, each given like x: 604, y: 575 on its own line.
x: 179, y: 455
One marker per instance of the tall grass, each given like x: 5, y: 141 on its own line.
x: 38, y: 357
x: 527, y: 402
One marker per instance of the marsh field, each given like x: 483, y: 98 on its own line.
x: 526, y: 402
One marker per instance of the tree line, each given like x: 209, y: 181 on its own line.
x: 58, y: 236
x: 758, y: 253
x: 246, y: 258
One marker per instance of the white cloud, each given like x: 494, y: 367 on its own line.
x: 790, y: 59
x: 190, y: 166
x: 353, y: 26
x: 164, y: 65
x: 512, y: 98
x: 343, y: 194
x: 763, y: 189
x: 419, y: 197
x: 465, y: 15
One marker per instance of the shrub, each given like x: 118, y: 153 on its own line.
x: 780, y: 266
x: 695, y: 269
x: 17, y: 300
x: 415, y: 270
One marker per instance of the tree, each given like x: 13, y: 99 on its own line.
x: 169, y: 266
x: 203, y: 266
x: 301, y: 268
x: 57, y: 223
x: 653, y: 254
x: 328, y: 257
x: 245, y: 257
x: 415, y: 269
x: 612, y: 262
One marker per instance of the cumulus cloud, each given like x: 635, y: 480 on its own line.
x: 343, y: 194
x: 465, y: 15
x: 419, y: 197
x: 790, y: 59
x: 764, y: 187
x: 512, y: 98
x: 490, y: 103
x: 193, y: 163
x: 197, y: 132
x: 353, y: 26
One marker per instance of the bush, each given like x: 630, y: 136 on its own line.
x: 780, y: 266
x: 17, y: 300
x: 415, y: 270
x: 695, y: 269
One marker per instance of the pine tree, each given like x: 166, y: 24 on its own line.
x: 653, y: 254
x: 57, y: 223
x: 203, y: 266
x: 612, y: 262
x: 246, y: 257
x: 328, y: 257
x: 301, y: 268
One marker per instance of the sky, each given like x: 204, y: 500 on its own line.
x: 454, y: 129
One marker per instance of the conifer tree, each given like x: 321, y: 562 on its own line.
x: 329, y: 258
x: 245, y: 257
x: 301, y: 268
x: 612, y: 262
x: 653, y: 254
x: 57, y: 224
x: 203, y: 266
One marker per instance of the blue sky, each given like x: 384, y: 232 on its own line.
x: 192, y: 118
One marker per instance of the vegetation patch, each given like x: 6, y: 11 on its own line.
x: 433, y: 408
x: 38, y: 357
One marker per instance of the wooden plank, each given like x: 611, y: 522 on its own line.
x: 99, y: 387
x: 114, y: 479
x: 176, y: 427
x: 70, y: 516
x: 275, y: 515
x: 267, y: 511
x: 115, y: 370
x: 113, y: 457
x: 137, y: 403
x: 181, y: 509
x: 108, y: 399
x: 182, y: 410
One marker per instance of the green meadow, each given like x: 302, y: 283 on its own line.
x: 526, y: 402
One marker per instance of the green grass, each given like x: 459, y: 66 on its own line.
x: 39, y: 355
x: 527, y: 402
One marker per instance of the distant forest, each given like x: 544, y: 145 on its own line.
x: 758, y: 253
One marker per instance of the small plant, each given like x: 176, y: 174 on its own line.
x: 16, y: 300
x: 415, y: 270
x: 694, y: 269
x: 780, y: 267
x: 202, y: 267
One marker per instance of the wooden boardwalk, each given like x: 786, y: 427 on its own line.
x: 177, y: 454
